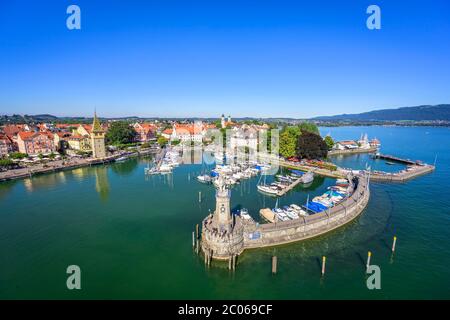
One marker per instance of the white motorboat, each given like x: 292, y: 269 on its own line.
x: 307, y: 177
x: 121, y: 159
x: 269, y: 190
x: 151, y: 170
x: 291, y: 214
x: 204, y: 178
x: 165, y: 168
x: 244, y: 214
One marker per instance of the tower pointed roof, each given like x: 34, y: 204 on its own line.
x: 96, y: 127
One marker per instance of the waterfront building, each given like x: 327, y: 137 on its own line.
x: 34, y: 143
x: 60, y: 140
x: 192, y: 132
x: 98, y: 139
x: 375, y: 143
x: 6, y: 145
x: 346, y: 144
x: 145, y: 131
x: 244, y: 136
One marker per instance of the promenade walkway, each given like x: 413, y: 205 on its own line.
x: 58, y: 165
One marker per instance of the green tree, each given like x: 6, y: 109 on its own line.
x: 17, y: 155
x: 288, y: 142
x: 329, y: 141
x: 311, y: 146
x: 309, y: 127
x: 162, y: 141
x: 120, y: 132
x: 6, y: 163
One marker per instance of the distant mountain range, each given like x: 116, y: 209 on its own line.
x: 439, y: 112
x: 418, y: 113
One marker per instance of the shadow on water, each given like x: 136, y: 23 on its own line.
x: 6, y: 188
x: 319, y: 263
x: 361, y: 259
x: 125, y: 168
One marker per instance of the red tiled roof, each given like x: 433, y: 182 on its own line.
x: 87, y: 127
x: 27, y: 135
x: 347, y: 142
x: 188, y: 128
x: 12, y: 129
x: 67, y: 125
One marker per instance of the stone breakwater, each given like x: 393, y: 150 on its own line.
x: 352, y: 151
x: 403, y: 175
x: 248, y: 234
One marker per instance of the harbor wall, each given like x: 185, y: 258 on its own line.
x: 401, y: 176
x: 272, y: 234
x: 351, y: 151
x: 57, y: 166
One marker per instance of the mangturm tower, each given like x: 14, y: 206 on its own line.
x: 222, y: 233
x: 98, y: 139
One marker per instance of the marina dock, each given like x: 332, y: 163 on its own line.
x: 289, y: 187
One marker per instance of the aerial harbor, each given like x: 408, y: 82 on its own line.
x: 223, y: 152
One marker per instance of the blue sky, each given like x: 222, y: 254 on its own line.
x: 204, y: 58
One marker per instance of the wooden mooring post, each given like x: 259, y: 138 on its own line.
x: 210, y: 256
x: 193, y: 239
x: 230, y: 262
x: 196, y: 231
x: 274, y: 264
x: 198, y: 246
x: 369, y: 254
x: 324, y: 259
x: 199, y: 196
x: 393, y: 244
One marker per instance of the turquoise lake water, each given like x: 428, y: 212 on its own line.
x: 131, y: 235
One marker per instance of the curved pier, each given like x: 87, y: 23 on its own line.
x: 243, y: 234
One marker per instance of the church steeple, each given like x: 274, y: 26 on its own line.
x: 97, y: 139
x: 96, y: 127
